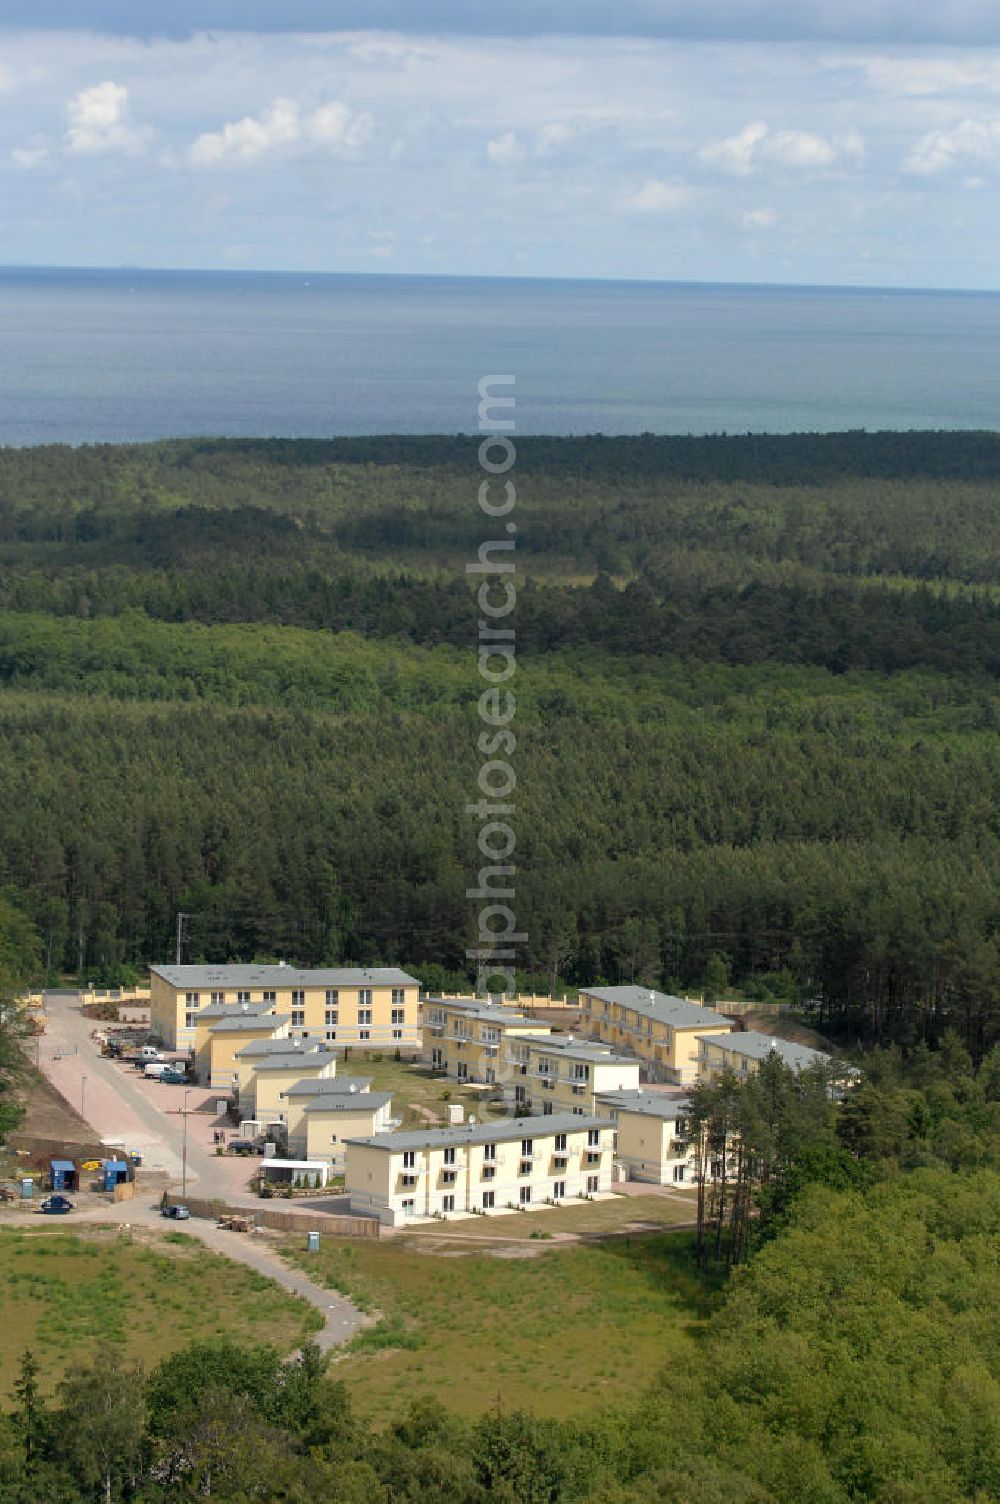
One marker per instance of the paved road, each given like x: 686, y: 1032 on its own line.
x: 145, y: 1115
x: 342, y: 1318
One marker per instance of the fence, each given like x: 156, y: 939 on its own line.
x: 288, y: 1220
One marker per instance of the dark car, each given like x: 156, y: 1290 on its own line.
x: 174, y: 1078
x: 243, y: 1146
x: 177, y: 1211
x: 56, y: 1206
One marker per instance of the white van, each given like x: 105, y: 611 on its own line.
x: 156, y: 1068
x: 149, y: 1052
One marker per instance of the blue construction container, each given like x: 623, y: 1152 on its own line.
x: 115, y: 1173
x: 63, y: 1175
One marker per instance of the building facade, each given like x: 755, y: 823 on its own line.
x: 348, y: 1007
x: 468, y: 1038
x: 663, y: 1031
x: 651, y: 1140
x: 558, y: 1073
x: 479, y: 1167
x: 298, y: 1097
x: 743, y: 1053
x: 222, y: 1031
x: 331, y: 1119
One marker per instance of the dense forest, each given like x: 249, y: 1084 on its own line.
x: 853, y: 1357
x: 757, y: 706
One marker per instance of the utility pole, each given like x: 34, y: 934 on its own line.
x: 180, y: 935
x: 184, y: 1148
x: 83, y: 1096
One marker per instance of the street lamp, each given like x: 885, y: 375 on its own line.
x: 83, y: 1096
x: 184, y: 1147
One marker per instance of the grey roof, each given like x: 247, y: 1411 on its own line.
x: 503, y: 1130
x: 756, y: 1046
x: 661, y: 1007
x: 648, y: 1104
x: 474, y: 1007
x: 306, y: 1060
x: 350, y: 1101
x: 258, y: 1047
x: 328, y: 1086
x: 248, y: 1022
x: 234, y: 1010
x: 283, y: 976
x: 582, y: 1049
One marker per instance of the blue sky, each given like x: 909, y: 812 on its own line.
x: 719, y: 140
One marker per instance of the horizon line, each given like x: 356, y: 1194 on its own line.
x: 386, y: 275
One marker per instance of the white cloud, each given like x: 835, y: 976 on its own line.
x: 759, y: 219
x: 971, y: 141
x: 249, y: 137
x: 736, y: 153
x: 505, y: 150
x: 553, y: 137
x: 757, y: 145
x: 29, y: 156
x: 99, y: 121
x: 336, y: 125
x: 658, y: 197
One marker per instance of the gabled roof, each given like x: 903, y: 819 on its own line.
x: 283, y: 976
x: 351, y: 1101
x: 502, y: 1131
x: 661, y: 1007
x: 332, y: 1086
x: 752, y: 1045
x: 571, y: 1048
x: 648, y: 1104
x: 491, y: 1013
x: 296, y: 1060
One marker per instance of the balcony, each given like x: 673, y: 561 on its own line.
x: 560, y: 1159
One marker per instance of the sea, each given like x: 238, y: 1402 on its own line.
x: 98, y: 356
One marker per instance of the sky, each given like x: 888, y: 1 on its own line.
x: 708, y: 140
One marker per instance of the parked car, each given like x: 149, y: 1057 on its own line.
x: 56, y: 1206
x: 6, y: 1194
x: 177, y: 1210
x: 174, y: 1078
x: 243, y: 1146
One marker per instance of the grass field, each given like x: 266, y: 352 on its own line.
x: 413, y: 1088
x: 612, y: 1216
x: 561, y: 1333
x: 67, y: 1295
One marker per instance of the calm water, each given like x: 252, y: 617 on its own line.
x: 91, y: 356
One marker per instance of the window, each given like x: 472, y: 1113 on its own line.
x: 447, y: 1203
x: 578, y: 1112
x: 489, y: 1200
x: 333, y: 1138
x: 332, y: 1016
x: 298, y: 1018
x: 270, y: 997
x: 332, y: 997
x: 244, y: 997
x: 520, y: 1096
x: 190, y: 1019
x: 546, y: 1109
x: 364, y: 997
x: 560, y: 1145
x: 490, y: 1151
x: 449, y: 1176
x: 558, y: 1190
x: 191, y: 999
x: 581, y: 1073
x: 679, y: 1172
x: 331, y: 1034
x: 397, y: 1033
x: 679, y: 1127
x: 407, y: 1206
x: 398, y: 1016
x: 298, y: 998
x: 218, y: 997
x: 593, y: 1184
x: 525, y: 1195
x: 449, y: 1156
x: 489, y: 1171
x: 398, y: 997
x: 364, y: 1034
x: 409, y: 1158
x: 462, y: 1071
x: 527, y: 1146
x: 594, y: 1138
x: 437, y: 1058
x: 364, y: 1015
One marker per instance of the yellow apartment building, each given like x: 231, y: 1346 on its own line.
x: 374, y: 1008
x: 298, y: 1097
x: 743, y: 1054
x: 263, y: 1101
x: 467, y: 1037
x: 651, y: 1141
x: 562, y: 1074
x: 663, y: 1031
x: 222, y: 1031
x: 254, y: 1051
x: 479, y: 1167
x: 331, y: 1118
